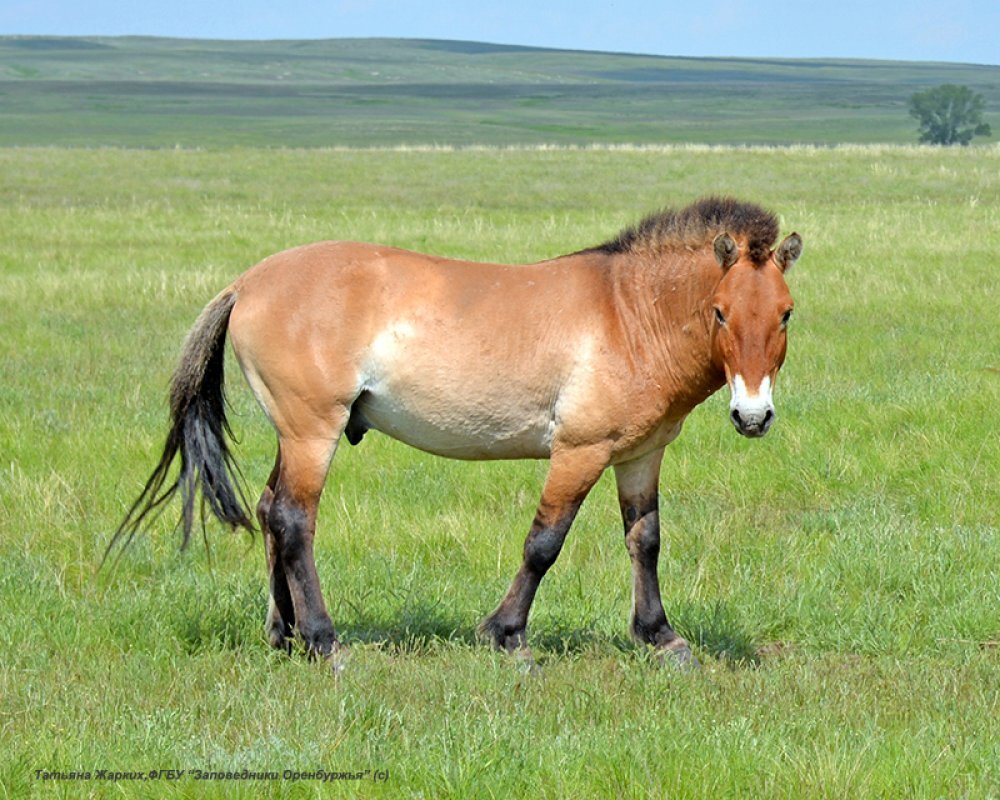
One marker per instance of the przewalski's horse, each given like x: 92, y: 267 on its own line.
x: 590, y: 360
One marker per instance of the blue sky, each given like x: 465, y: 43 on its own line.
x: 924, y: 30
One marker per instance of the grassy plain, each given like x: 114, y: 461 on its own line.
x: 840, y: 578
x: 140, y: 92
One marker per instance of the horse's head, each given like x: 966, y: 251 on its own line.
x: 751, y: 307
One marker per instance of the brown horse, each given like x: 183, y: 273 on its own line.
x: 590, y: 360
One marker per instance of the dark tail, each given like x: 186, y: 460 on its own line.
x: 198, y: 432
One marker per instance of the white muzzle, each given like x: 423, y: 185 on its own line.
x: 751, y: 413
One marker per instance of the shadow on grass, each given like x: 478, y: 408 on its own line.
x: 713, y: 629
x: 208, y: 617
x: 415, y: 626
x: 233, y: 619
x: 716, y: 629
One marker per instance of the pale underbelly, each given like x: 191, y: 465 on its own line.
x: 467, y: 431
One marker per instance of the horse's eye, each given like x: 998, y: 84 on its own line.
x: 719, y: 316
x: 785, y: 317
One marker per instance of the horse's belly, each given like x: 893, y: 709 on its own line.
x: 458, y: 427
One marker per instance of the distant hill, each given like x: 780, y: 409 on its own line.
x: 149, y: 92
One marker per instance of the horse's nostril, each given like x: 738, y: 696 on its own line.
x: 737, y: 419
x: 768, y: 417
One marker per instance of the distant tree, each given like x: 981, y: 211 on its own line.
x: 949, y: 114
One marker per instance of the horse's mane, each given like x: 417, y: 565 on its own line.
x: 698, y: 224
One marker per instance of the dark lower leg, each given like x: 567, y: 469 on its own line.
x: 295, y: 588
x: 642, y: 538
x: 649, y: 622
x: 506, y: 626
x: 280, y: 612
x: 572, y: 473
x: 638, y: 496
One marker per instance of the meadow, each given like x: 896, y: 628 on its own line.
x: 840, y: 579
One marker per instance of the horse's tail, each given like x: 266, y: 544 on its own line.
x: 198, y: 432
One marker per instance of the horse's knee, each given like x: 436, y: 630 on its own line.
x: 648, y: 542
x: 643, y: 539
x: 542, y: 549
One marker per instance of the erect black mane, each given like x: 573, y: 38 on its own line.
x: 698, y: 224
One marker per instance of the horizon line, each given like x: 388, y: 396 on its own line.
x: 511, y: 46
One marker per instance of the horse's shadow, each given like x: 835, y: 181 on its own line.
x: 713, y: 629
x: 415, y: 625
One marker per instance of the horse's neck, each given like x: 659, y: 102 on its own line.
x: 665, y: 307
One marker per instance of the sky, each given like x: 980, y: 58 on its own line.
x: 915, y: 30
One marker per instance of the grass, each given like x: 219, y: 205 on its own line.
x: 141, y: 92
x: 840, y: 578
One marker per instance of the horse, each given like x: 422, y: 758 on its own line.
x: 590, y: 360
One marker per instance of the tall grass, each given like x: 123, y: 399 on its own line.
x: 839, y: 578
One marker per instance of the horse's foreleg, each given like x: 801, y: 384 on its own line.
x: 638, y: 495
x: 291, y: 522
x: 572, y: 473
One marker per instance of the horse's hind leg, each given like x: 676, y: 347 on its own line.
x: 280, y: 612
x: 291, y: 526
x: 638, y: 495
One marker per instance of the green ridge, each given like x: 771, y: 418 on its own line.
x: 149, y: 92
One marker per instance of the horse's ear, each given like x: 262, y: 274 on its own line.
x: 788, y: 252
x: 726, y: 250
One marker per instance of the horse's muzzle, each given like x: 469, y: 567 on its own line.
x: 751, y: 413
x: 753, y: 423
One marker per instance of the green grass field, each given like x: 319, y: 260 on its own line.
x: 840, y: 579
x: 140, y: 92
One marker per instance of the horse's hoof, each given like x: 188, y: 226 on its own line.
x: 503, y: 637
x: 677, y: 653
x: 279, y: 638
x: 320, y: 640
x: 337, y: 658
x: 525, y: 662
